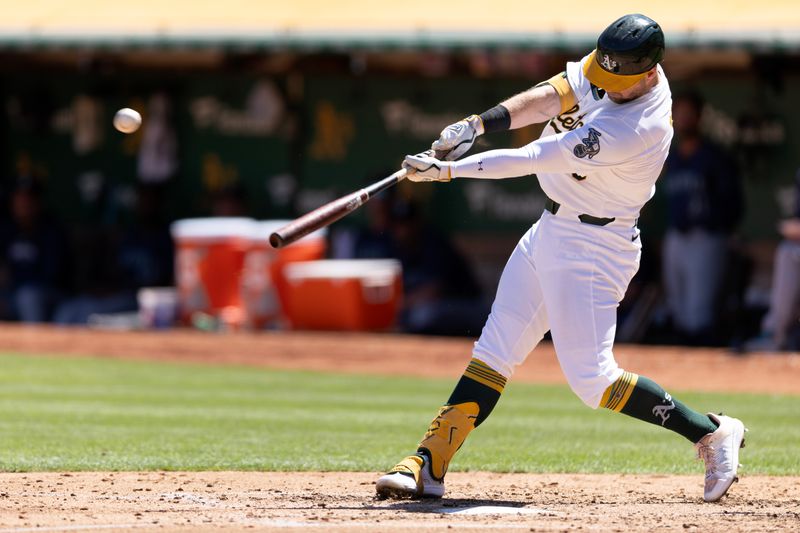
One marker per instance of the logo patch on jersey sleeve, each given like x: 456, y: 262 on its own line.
x: 590, y: 145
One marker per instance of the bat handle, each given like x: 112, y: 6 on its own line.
x: 385, y: 183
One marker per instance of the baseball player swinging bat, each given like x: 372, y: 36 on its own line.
x: 608, y: 131
x: 333, y: 211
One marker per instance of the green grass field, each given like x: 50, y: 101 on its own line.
x: 99, y: 414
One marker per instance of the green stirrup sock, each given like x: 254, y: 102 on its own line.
x: 643, y: 398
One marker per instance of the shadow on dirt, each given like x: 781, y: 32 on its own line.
x: 448, y: 505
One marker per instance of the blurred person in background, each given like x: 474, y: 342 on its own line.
x: 704, y: 205
x: 780, y: 329
x: 375, y: 241
x: 145, y: 249
x: 229, y: 201
x: 440, y: 293
x: 157, y: 160
x: 140, y: 255
x: 34, y: 258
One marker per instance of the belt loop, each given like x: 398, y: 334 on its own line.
x: 551, y: 206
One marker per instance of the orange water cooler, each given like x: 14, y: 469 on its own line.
x: 264, y: 286
x: 226, y: 270
x: 209, y: 261
x: 352, y: 295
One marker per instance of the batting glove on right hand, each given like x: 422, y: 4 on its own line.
x: 424, y: 167
x: 457, y: 138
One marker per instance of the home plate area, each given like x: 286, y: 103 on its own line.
x: 493, y: 510
x: 345, y: 501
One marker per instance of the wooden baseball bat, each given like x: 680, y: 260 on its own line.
x: 331, y: 212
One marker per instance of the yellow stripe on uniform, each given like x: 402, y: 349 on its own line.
x: 618, y: 393
x: 487, y: 375
x: 482, y: 373
x: 626, y: 384
x: 565, y: 94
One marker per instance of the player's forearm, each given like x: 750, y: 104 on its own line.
x: 536, y: 105
x: 543, y: 155
x: 495, y: 164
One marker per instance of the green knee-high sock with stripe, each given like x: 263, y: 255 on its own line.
x: 642, y: 398
x: 480, y: 384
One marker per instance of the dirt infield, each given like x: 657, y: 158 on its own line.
x: 345, y: 501
x: 340, y: 502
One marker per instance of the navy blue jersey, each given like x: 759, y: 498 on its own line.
x: 36, y: 257
x: 702, y: 190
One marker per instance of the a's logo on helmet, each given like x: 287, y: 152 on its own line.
x: 590, y: 146
x: 608, y: 63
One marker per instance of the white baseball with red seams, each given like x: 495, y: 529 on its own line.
x: 602, y: 159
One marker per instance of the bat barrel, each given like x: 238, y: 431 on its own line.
x: 316, y: 219
x: 277, y: 240
x: 330, y: 212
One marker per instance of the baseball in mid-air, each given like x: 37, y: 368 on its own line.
x: 127, y: 120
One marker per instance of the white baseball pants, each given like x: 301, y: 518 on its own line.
x: 567, y: 277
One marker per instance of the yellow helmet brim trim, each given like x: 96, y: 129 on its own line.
x: 606, y: 80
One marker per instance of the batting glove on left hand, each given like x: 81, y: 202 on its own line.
x: 424, y: 167
x: 456, y: 139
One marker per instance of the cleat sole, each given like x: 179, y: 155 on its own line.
x: 395, y: 494
x: 398, y: 487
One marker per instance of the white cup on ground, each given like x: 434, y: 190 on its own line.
x: 158, y: 307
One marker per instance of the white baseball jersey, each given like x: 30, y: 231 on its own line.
x: 600, y: 158
x: 597, y: 158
